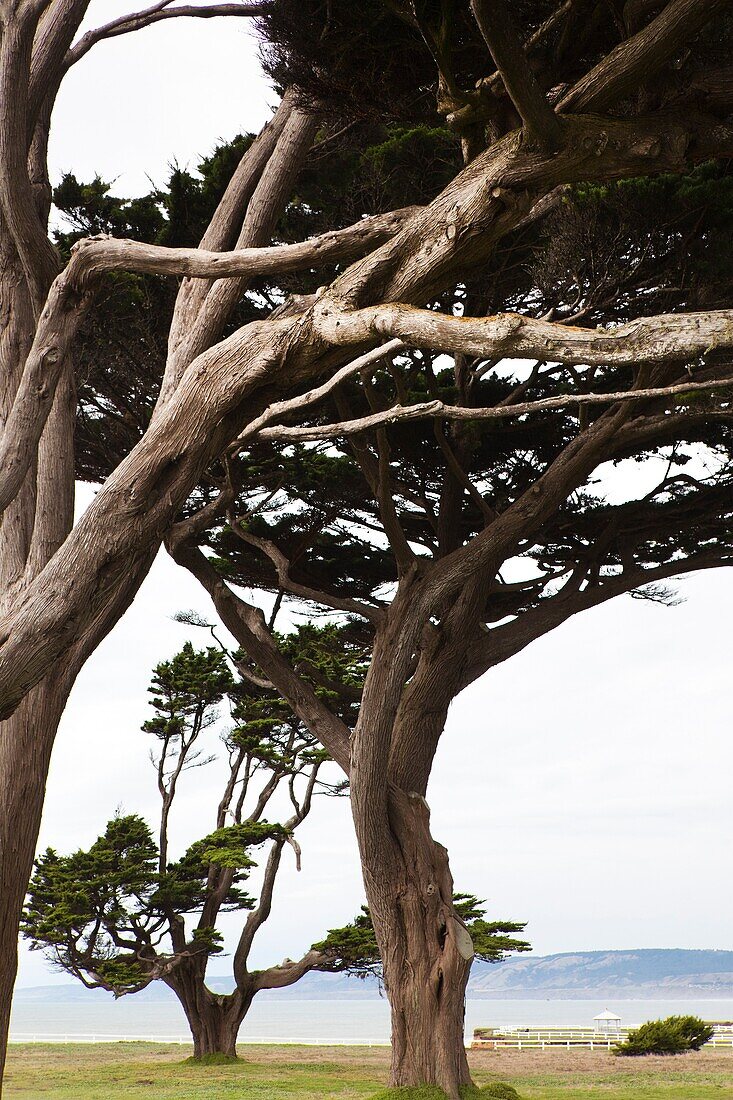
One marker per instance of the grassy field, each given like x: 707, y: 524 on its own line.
x: 157, y: 1071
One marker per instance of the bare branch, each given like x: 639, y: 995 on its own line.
x: 289, y: 972
x: 200, y: 322
x: 17, y: 201
x: 60, y: 321
x: 312, y: 397
x: 494, y: 412
x: 138, y: 20
x: 56, y: 29
x: 101, y: 255
x: 259, y: 915
x: 72, y: 294
x: 298, y: 851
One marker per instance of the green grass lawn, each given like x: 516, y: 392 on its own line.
x: 157, y: 1071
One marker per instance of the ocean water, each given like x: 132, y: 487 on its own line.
x: 359, y: 1020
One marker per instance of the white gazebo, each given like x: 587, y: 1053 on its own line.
x: 607, y: 1022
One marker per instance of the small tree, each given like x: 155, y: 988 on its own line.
x: 115, y: 916
x: 674, y: 1035
x: 122, y: 914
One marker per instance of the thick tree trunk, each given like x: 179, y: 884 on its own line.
x: 214, y: 1019
x: 31, y: 529
x: 26, y: 741
x: 426, y: 949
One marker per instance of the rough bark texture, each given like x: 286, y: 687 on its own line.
x: 214, y: 1019
x: 25, y: 750
x: 426, y: 950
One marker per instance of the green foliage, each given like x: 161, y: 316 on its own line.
x: 101, y: 913
x: 641, y: 245
x: 79, y: 904
x: 353, y: 948
x: 673, y: 1035
x: 500, y: 1090
x: 185, y: 689
x: 491, y: 939
x: 333, y: 659
x: 228, y: 847
x: 91, y: 209
x: 312, y: 44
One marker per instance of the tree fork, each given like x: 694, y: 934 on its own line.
x: 214, y: 1019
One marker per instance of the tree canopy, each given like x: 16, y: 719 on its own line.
x: 409, y: 420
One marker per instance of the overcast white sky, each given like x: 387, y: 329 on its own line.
x: 584, y: 786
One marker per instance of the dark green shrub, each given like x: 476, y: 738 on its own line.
x: 500, y: 1091
x: 675, y: 1035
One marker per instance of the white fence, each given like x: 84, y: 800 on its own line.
x: 571, y: 1038
x: 184, y: 1040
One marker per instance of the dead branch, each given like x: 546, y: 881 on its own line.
x: 312, y: 397
x: 94, y: 256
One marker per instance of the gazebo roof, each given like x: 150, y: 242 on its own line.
x: 606, y: 1016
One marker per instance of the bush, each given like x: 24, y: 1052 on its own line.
x: 675, y: 1035
x: 500, y: 1090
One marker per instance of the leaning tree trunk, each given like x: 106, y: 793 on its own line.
x: 214, y: 1019
x: 31, y: 529
x: 425, y: 946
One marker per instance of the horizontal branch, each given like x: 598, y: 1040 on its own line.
x: 283, y: 433
x: 288, y: 972
x: 72, y: 294
x: 98, y: 255
x: 136, y: 21
x: 668, y: 337
x: 494, y: 646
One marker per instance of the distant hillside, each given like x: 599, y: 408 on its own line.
x: 643, y: 973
